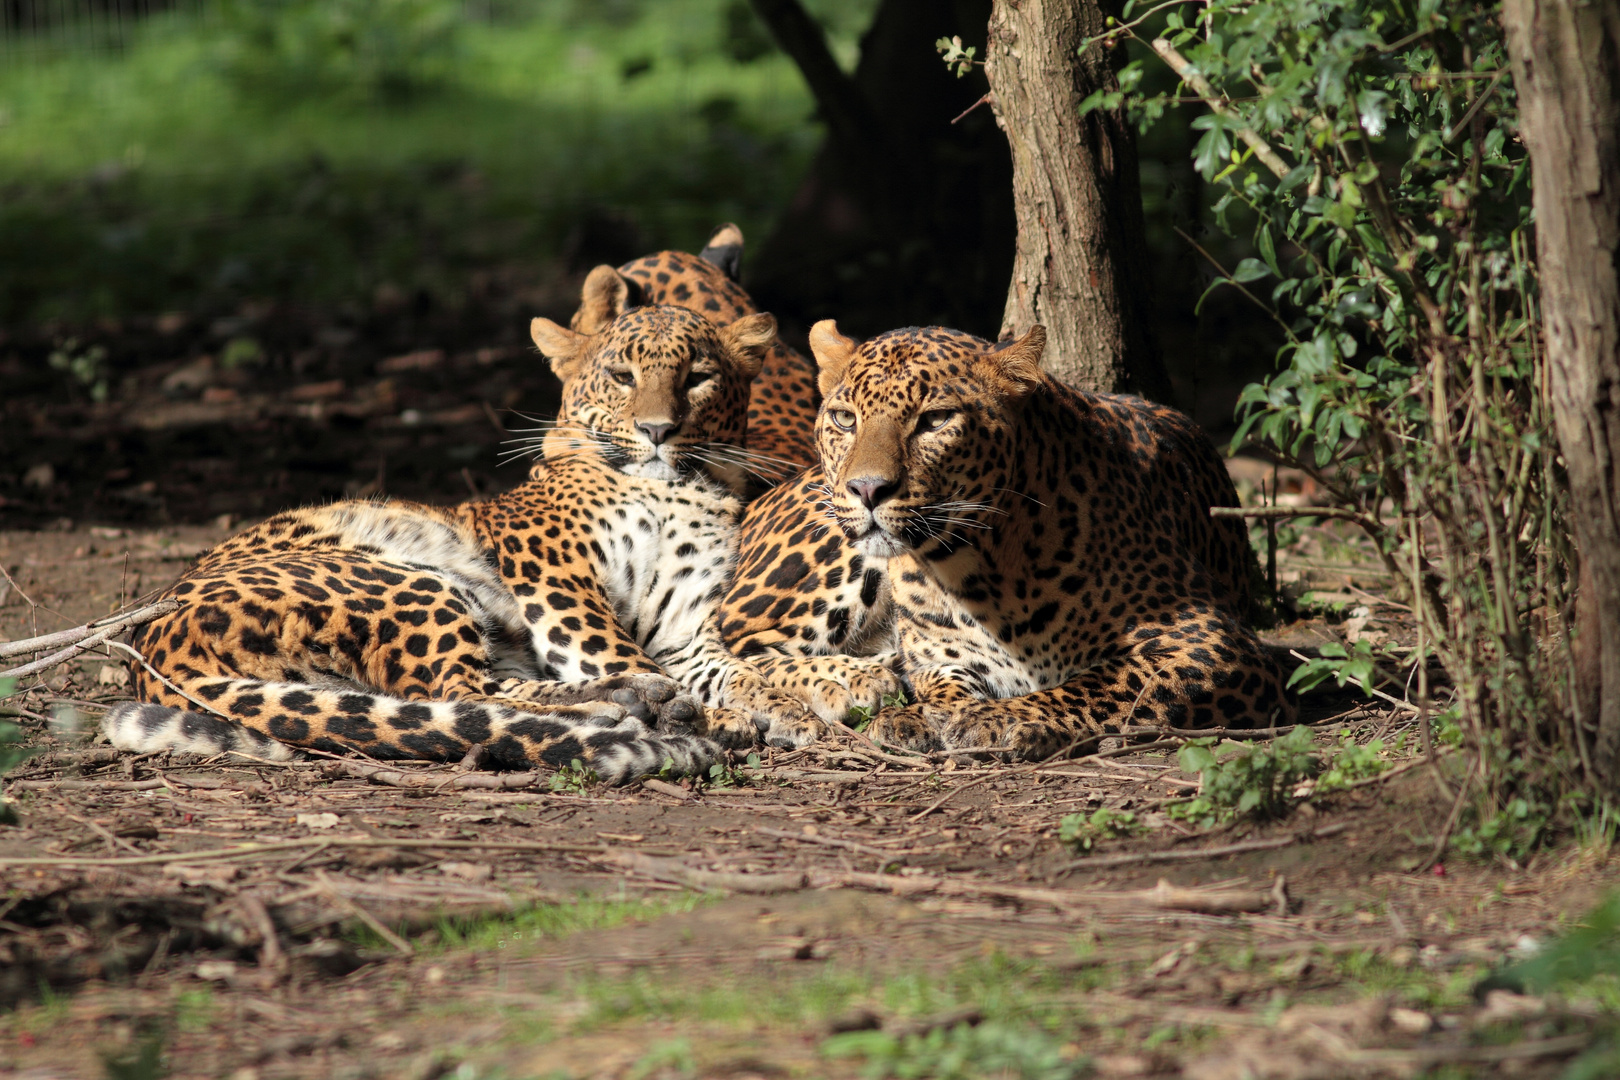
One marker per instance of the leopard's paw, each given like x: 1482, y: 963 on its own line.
x: 779, y: 718
x: 913, y: 727
x: 648, y: 696
x: 733, y: 729
x: 834, y: 685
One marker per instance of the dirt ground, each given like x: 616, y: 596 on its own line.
x: 174, y: 917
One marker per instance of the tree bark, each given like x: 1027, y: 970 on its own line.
x: 1080, y: 267
x: 1566, y: 68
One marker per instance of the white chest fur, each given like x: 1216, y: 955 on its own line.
x: 666, y: 551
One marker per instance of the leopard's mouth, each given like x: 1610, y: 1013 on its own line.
x: 875, y: 541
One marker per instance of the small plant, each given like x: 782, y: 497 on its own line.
x: 574, y: 777
x: 1083, y: 831
x: 11, y: 755
x: 88, y: 368
x: 723, y: 775
x: 1353, y: 665
x: 956, y: 56
x: 860, y: 716
x: 145, y: 1062
x: 957, y: 1053
x: 1352, y: 762
x: 1515, y: 829
x: 1254, y: 782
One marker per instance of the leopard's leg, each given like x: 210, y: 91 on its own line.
x: 744, y: 707
x: 304, y: 676
x: 1205, y: 670
x: 800, y: 589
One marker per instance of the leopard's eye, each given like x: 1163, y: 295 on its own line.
x: 842, y: 419
x: 934, y: 419
x: 625, y: 378
x: 695, y: 379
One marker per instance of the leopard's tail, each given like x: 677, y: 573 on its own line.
x: 146, y: 729
x: 266, y: 719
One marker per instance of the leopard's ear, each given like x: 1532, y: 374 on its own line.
x: 724, y: 250
x: 605, y: 297
x: 1017, y: 365
x: 747, y: 339
x: 832, y: 351
x: 564, y: 348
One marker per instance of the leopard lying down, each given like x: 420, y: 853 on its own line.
x: 572, y: 618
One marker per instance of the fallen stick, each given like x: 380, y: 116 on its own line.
x: 827, y: 841
x: 674, y: 870
x: 123, y: 785
x: 248, y: 851
x: 652, y: 783
x: 1099, y: 862
x: 112, y: 624
x: 1163, y: 895
x: 402, y: 778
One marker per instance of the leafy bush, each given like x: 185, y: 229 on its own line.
x: 1372, y: 148
x: 1255, y: 781
x: 1083, y: 831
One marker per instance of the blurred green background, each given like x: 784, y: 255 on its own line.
x: 327, y: 152
x: 255, y: 253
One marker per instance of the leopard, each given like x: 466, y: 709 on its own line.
x: 1036, y: 564
x: 783, y: 399
x: 570, y: 620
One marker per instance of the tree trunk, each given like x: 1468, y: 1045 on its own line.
x: 1566, y: 67
x: 1080, y: 268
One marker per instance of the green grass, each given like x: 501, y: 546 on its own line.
x: 538, y: 923
x: 154, y: 177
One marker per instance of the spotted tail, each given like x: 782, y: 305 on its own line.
x: 265, y: 720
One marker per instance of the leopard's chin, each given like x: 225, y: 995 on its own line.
x: 878, y: 543
x: 652, y: 469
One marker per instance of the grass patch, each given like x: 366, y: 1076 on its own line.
x: 540, y: 922
x: 164, y: 173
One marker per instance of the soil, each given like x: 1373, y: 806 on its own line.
x: 332, y: 918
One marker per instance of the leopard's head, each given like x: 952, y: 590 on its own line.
x: 916, y: 433
x: 657, y: 391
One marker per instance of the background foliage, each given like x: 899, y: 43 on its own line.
x: 1371, y: 149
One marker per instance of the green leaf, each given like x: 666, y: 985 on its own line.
x: 1195, y: 757
x: 1250, y: 270
x: 1268, y: 250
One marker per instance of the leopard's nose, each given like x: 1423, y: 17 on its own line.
x: 871, y: 490
x: 656, y: 432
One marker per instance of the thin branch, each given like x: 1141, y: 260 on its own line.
x: 1218, y: 105
x: 1098, y: 862
x: 849, y: 115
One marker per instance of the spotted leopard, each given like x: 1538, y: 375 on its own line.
x: 573, y: 617
x: 1037, y: 562
x: 783, y: 398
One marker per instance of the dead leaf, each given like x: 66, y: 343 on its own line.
x: 317, y: 821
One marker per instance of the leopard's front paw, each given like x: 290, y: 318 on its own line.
x: 648, y: 696
x: 914, y: 727
x: 733, y: 729
x: 834, y: 685
x: 779, y: 718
